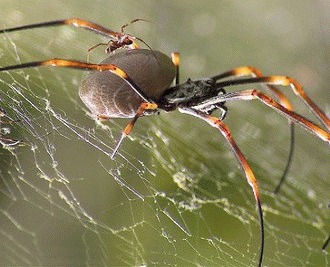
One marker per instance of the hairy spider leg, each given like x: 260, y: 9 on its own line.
x: 251, y: 179
x: 267, y: 100
x: 56, y: 62
x: 283, y: 81
x: 283, y: 100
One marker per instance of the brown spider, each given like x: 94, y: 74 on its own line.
x: 133, y: 82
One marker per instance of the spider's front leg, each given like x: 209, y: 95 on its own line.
x: 77, y: 22
x: 283, y: 81
x: 265, y: 99
x: 74, y: 64
x: 254, y: 72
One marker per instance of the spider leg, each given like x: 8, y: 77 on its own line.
x: 284, y: 81
x: 326, y: 243
x: 176, y: 61
x: 97, y: 45
x: 80, y: 23
x: 289, y: 161
x: 131, y: 22
x: 265, y: 99
x: 74, y: 64
x: 147, y: 105
x: 251, y: 179
x: 254, y: 72
x: 283, y: 100
x: 143, y: 107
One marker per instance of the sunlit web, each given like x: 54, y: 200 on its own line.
x: 162, y: 201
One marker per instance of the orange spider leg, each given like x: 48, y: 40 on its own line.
x: 147, y: 105
x: 254, y: 72
x: 176, y: 61
x: 265, y: 99
x: 80, y: 23
x: 74, y: 64
x: 119, y: 39
x: 140, y: 112
x: 283, y: 100
x: 283, y: 81
x: 251, y: 179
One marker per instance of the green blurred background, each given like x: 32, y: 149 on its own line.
x: 175, y: 195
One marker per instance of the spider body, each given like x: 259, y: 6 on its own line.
x: 109, y: 96
x: 195, y: 94
x: 133, y: 82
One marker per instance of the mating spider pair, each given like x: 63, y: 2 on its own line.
x: 134, y: 82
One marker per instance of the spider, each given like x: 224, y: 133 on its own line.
x: 134, y: 82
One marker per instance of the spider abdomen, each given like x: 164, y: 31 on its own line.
x: 109, y: 96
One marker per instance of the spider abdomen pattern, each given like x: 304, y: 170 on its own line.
x: 109, y: 96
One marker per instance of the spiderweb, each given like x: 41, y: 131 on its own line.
x: 173, y: 196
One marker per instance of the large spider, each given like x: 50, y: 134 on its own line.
x: 134, y: 82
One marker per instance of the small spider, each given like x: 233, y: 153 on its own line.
x: 134, y: 82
